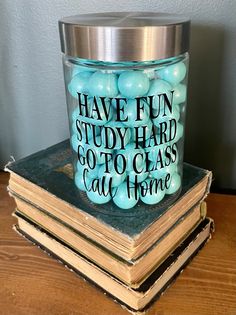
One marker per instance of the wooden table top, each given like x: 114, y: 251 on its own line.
x: 32, y: 283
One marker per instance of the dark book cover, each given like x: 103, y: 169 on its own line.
x: 152, y: 279
x: 51, y: 169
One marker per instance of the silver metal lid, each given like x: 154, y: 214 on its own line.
x: 124, y: 36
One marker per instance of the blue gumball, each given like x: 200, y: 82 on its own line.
x: 155, y: 151
x: 111, y: 176
x: 133, y: 84
x: 132, y: 156
x: 175, y: 184
x: 97, y: 112
x: 79, y: 83
x: 86, y: 133
x: 98, y: 198
x: 150, y: 192
x: 96, y: 154
x: 114, y: 100
x: 79, y: 68
x: 158, y: 172
x: 174, y: 73
x: 141, y: 132
x: 102, y: 116
x: 80, y: 182
x: 136, y: 116
x: 160, y: 89
x: 165, y: 116
x: 180, y: 94
x: 103, y: 84
x: 124, y: 198
x: 90, y: 173
x: 132, y: 176
x: 111, y: 134
x: 75, y: 142
x: 76, y: 70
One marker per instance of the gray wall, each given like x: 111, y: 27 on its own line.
x: 32, y: 102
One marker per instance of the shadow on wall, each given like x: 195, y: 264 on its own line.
x: 204, y: 143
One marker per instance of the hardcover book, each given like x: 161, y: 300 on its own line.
x: 134, y: 299
x: 44, y: 180
x: 133, y: 272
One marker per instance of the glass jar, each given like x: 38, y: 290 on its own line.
x: 126, y: 89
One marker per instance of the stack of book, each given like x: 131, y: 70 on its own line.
x: 132, y: 257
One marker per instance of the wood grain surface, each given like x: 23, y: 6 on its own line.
x: 32, y: 283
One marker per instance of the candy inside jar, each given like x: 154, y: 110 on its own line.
x: 126, y: 119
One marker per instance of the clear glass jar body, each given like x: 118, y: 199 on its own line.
x: 127, y: 131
